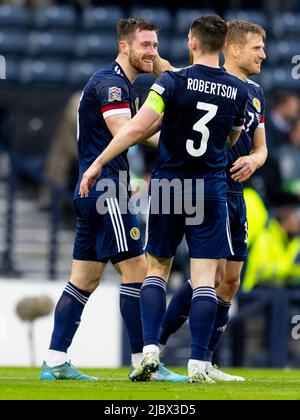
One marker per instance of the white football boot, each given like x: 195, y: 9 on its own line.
x: 214, y: 373
x: 197, y: 372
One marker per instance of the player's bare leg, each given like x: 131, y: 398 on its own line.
x: 86, y: 275
x: 231, y: 280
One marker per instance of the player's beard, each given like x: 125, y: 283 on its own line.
x: 139, y: 65
x: 250, y: 67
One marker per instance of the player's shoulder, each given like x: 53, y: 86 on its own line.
x: 254, y: 87
x: 236, y: 80
x: 178, y: 73
x: 110, y: 74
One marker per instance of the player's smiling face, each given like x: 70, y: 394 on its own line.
x: 142, y: 51
x: 252, y: 54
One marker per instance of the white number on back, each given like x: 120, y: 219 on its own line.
x: 201, y: 127
x: 251, y: 115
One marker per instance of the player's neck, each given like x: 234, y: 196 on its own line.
x: 210, y: 60
x: 235, y: 70
x: 130, y: 72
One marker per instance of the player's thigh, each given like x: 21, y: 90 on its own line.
x: 211, y: 238
x: 89, y: 227
x: 164, y: 233
x: 86, y: 275
x: 203, y: 272
x: 159, y: 267
x: 132, y: 270
x: 220, y: 274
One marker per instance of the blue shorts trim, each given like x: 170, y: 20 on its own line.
x: 238, y: 226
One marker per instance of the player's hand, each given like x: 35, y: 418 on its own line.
x: 243, y: 168
x: 89, y: 179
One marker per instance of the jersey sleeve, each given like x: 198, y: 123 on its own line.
x: 238, y: 124
x: 263, y: 110
x: 113, y: 97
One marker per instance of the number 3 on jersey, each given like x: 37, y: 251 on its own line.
x: 201, y: 127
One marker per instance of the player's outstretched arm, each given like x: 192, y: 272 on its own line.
x: 131, y: 133
x: 152, y: 135
x: 245, y: 166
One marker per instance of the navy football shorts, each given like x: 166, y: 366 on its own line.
x: 210, y: 239
x: 238, y: 226
x: 102, y: 237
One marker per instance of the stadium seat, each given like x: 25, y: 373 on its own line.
x: 185, y: 17
x: 101, y: 18
x: 160, y: 16
x: 179, y: 51
x: 286, y: 24
x: 253, y: 16
x: 63, y: 17
x: 281, y: 52
x: 278, y: 78
x: 12, y: 70
x: 13, y: 42
x: 81, y: 71
x: 44, y: 71
x: 49, y: 43
x: 164, y: 46
x: 13, y: 16
x: 95, y: 45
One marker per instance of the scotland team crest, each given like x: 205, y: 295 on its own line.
x: 256, y: 104
x: 135, y: 233
x: 114, y: 94
x: 137, y: 104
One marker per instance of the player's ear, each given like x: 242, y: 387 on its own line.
x: 195, y: 44
x: 234, y: 50
x: 123, y: 47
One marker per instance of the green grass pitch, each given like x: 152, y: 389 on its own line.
x: 23, y: 384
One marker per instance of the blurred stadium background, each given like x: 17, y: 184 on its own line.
x: 50, y: 49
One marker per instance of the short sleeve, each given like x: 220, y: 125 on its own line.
x: 240, y: 119
x: 113, y: 97
x: 165, y: 86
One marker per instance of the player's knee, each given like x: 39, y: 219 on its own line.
x: 86, y: 284
x: 136, y: 271
x: 232, y: 283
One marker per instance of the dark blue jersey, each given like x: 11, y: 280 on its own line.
x: 254, y: 118
x: 107, y: 93
x: 202, y: 105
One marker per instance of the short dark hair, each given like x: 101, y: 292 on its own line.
x: 239, y: 29
x: 211, y: 31
x: 127, y: 27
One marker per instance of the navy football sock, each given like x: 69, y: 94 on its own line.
x: 202, y: 318
x: 131, y: 313
x: 67, y: 316
x: 221, y: 321
x: 153, y: 307
x: 177, y: 312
